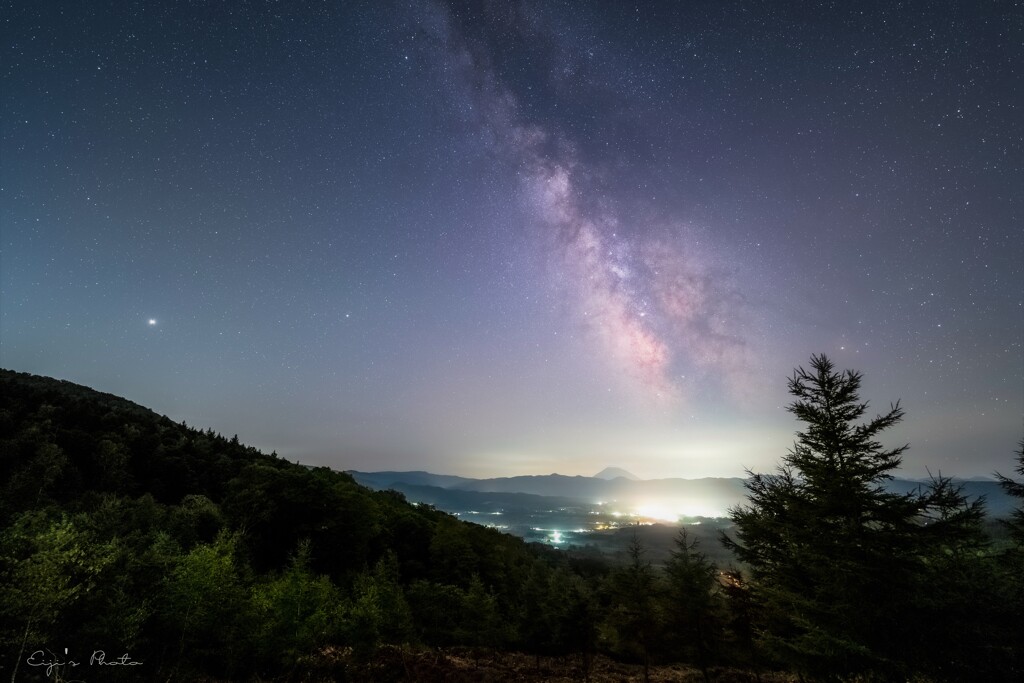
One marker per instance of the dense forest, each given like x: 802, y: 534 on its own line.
x: 193, y: 556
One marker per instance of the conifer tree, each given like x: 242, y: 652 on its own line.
x: 536, y: 614
x: 579, y: 626
x: 634, y: 616
x: 691, y: 601
x: 837, y: 558
x: 1016, y: 489
x: 1010, y: 582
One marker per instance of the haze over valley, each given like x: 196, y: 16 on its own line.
x: 564, y: 511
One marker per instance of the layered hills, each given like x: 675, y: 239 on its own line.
x: 200, y: 558
x: 671, y: 498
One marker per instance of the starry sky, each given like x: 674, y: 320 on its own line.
x: 500, y: 238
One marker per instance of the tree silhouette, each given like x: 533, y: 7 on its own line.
x: 691, y: 600
x: 836, y: 557
x: 634, y: 614
x: 1016, y: 489
x: 1010, y: 593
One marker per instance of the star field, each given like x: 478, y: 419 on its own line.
x: 520, y: 237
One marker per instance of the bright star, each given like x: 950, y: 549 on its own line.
x: 152, y: 321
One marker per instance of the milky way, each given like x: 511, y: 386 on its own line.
x: 517, y: 237
x: 651, y: 309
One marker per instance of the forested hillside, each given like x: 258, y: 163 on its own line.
x: 196, y: 556
x: 127, y: 532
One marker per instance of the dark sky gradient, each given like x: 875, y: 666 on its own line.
x: 521, y: 237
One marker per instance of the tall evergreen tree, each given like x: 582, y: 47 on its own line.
x: 836, y: 557
x: 537, y: 615
x: 1010, y: 583
x: 578, y: 629
x: 691, y: 606
x: 1016, y: 489
x: 634, y: 616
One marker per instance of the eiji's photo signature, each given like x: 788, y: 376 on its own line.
x: 55, y: 664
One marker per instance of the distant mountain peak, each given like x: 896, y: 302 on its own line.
x: 610, y: 473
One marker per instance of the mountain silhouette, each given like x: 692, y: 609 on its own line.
x: 615, y: 473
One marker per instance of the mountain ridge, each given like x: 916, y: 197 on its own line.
x: 713, y: 496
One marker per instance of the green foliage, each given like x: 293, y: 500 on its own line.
x: 438, y: 609
x: 48, y: 567
x: 196, y: 519
x: 205, y: 558
x: 1016, y: 489
x: 207, y: 605
x: 557, y: 614
x: 450, y: 615
x: 538, y: 612
x: 378, y: 611
x: 635, y: 617
x: 838, y: 560
x: 1007, y: 584
x: 276, y: 502
x: 452, y: 558
x: 485, y: 625
x: 294, y: 614
x: 743, y: 620
x: 692, y: 606
x: 578, y: 624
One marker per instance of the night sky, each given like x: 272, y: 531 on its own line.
x: 510, y: 238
